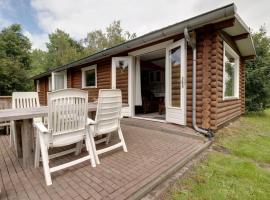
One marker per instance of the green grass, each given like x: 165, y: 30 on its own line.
x: 237, y: 168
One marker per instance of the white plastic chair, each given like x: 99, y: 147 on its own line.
x: 5, y: 124
x: 107, y: 120
x: 23, y: 100
x: 67, y: 124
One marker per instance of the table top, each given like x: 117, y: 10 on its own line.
x: 28, y: 113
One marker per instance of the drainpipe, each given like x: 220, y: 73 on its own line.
x: 191, y: 40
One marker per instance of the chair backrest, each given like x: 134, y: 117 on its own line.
x: 108, y: 111
x: 25, y: 100
x: 68, y: 111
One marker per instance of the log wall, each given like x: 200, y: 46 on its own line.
x: 212, y: 111
x: 74, y: 78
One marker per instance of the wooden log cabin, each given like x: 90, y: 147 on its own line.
x: 157, y: 76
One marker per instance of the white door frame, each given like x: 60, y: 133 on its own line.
x: 162, y: 45
x: 176, y: 114
x: 129, y: 110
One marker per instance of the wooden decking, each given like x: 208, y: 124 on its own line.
x: 119, y: 176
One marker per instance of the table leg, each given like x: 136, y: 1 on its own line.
x: 27, y: 143
x: 18, y: 138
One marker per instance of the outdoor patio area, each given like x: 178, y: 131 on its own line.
x: 151, y: 157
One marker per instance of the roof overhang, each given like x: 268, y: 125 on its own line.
x: 240, y: 33
x: 227, y: 12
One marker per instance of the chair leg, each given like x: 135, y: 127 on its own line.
x: 7, y: 130
x: 79, y: 146
x: 120, y: 134
x: 37, y: 152
x: 93, y: 145
x: 11, y: 135
x: 45, y: 160
x: 108, y: 138
x: 10, y: 139
x: 90, y: 150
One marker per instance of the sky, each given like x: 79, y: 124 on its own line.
x: 78, y: 17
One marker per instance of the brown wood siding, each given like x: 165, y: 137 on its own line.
x: 74, y: 78
x: 212, y: 111
x: 43, y: 89
x: 227, y: 109
x: 122, y: 83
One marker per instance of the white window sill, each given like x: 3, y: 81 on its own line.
x: 230, y: 98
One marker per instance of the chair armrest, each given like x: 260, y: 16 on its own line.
x: 90, y: 121
x: 41, y: 128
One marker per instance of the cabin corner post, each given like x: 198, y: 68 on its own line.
x: 242, y: 85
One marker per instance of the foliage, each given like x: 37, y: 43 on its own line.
x: 38, y: 61
x: 62, y: 49
x: 238, y: 168
x: 258, y: 74
x: 98, y: 40
x: 229, y: 69
x: 15, y: 60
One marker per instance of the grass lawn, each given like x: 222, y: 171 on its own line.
x: 238, y: 167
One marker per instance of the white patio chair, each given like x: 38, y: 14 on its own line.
x: 67, y: 124
x: 5, y: 124
x: 107, y: 120
x: 23, y: 100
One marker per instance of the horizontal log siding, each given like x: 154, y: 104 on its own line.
x: 122, y: 83
x: 74, y: 78
x: 203, y: 85
x: 211, y: 110
x: 228, y: 109
x: 43, y: 89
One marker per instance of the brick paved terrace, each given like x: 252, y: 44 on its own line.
x: 151, y: 154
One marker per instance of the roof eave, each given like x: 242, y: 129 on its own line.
x: 214, y: 16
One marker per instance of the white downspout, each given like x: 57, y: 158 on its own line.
x: 192, y: 42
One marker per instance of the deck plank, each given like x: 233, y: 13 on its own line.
x: 150, y: 153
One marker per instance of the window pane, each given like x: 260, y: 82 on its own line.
x: 50, y: 83
x: 229, y: 75
x: 90, y: 78
x: 175, y: 60
x: 122, y: 78
x: 59, y: 81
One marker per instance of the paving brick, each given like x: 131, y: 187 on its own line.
x: 150, y: 153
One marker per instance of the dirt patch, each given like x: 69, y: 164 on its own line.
x: 221, y: 149
x: 265, y: 166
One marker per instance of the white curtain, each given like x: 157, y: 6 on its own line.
x: 138, y: 91
x: 59, y: 81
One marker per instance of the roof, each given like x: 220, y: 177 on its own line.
x: 245, y: 44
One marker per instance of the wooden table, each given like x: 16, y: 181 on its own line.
x: 23, y: 119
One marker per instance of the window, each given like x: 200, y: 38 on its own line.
x: 89, y: 77
x: 230, y: 73
x: 37, y: 86
x: 58, y: 81
x: 50, y: 83
x: 175, y: 73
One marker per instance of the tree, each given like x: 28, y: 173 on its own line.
x: 258, y: 73
x: 98, y: 40
x: 62, y: 49
x: 14, y: 60
x: 38, y: 62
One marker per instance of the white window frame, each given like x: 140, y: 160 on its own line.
x: 227, y: 48
x: 37, y: 86
x: 53, y: 79
x: 83, y: 76
x: 50, y: 83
